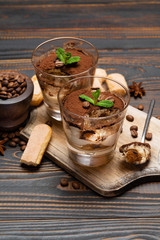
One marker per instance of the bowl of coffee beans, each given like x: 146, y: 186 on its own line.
x: 16, y: 90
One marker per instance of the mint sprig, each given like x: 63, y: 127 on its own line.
x: 95, y: 102
x: 66, y: 58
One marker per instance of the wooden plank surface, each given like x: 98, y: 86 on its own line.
x: 83, y: 229
x: 110, y: 179
x: 32, y: 202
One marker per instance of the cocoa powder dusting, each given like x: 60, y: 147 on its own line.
x: 86, y: 62
x: 75, y: 105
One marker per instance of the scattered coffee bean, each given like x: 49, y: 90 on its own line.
x: 12, y: 144
x: 11, y: 135
x: 6, y: 139
x: 23, y: 147
x: 21, y: 143
x: 130, y: 118
x: 85, y: 104
x: 148, y: 136
x: 4, y: 135
x: 17, y: 134
x: 15, y: 139
x: 64, y: 182
x: 134, y: 127
x: 134, y: 133
x: 140, y: 107
x: 75, y: 185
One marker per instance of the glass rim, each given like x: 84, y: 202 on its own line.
x: 59, y: 38
x: 94, y: 118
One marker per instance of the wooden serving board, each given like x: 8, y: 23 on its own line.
x: 113, y: 178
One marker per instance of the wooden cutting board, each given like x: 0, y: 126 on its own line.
x: 116, y: 176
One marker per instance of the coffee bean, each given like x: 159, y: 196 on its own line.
x: 20, y: 80
x: 24, y: 84
x: 12, y: 144
x: 140, y: 107
x: 3, y: 97
x: 9, y: 95
x: 16, y: 84
x: 23, y: 147
x: 134, y: 133
x: 11, y: 135
x: 13, y: 83
x: 6, y: 139
x: 5, y: 83
x: 13, y: 92
x: 15, y: 139
x: 21, y: 143
x: 18, y: 89
x: 85, y: 104
x: 3, y: 92
x: 17, y: 133
x: 75, y: 185
x: 64, y: 182
x: 15, y: 95
x: 134, y: 127
x: 10, y: 85
x: 10, y: 89
x: 148, y: 136
x: 130, y: 118
x: 22, y: 90
x: 4, y: 135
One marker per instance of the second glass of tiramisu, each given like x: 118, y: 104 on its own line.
x: 93, y: 110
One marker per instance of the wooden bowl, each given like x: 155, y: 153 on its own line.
x: 14, y: 111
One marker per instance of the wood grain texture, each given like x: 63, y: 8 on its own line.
x: 139, y: 229
x: 33, y: 205
x: 110, y: 179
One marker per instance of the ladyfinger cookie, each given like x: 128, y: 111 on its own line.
x: 116, y: 88
x: 37, y: 93
x: 37, y: 144
x: 101, y: 73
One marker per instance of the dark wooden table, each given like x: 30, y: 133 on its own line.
x: 33, y: 205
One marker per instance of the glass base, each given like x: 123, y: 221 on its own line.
x: 54, y: 113
x: 90, y: 159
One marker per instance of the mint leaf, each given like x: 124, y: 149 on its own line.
x: 68, y: 55
x: 96, y: 95
x: 105, y: 103
x: 61, y: 54
x: 87, y: 98
x: 73, y: 60
x: 66, y: 58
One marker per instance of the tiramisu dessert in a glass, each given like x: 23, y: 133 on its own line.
x: 58, y: 61
x: 92, y: 111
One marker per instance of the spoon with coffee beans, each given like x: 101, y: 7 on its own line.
x: 139, y: 152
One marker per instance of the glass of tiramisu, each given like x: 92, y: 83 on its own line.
x: 93, y: 110
x: 58, y: 61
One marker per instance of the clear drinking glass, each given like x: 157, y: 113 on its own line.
x: 92, y: 138
x: 51, y: 83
